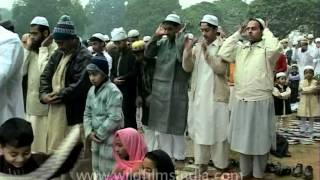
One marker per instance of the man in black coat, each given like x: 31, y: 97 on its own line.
x: 124, y: 75
x: 64, y: 83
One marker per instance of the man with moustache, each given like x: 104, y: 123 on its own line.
x: 252, y: 123
x: 169, y: 96
x: 64, y: 83
x: 37, y: 56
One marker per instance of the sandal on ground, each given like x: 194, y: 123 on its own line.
x: 308, y: 173
x: 298, y: 170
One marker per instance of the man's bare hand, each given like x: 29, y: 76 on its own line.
x: 47, y: 41
x: 160, y: 31
x: 118, y: 81
x: 94, y: 138
x: 51, y: 98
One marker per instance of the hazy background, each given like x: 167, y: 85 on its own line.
x: 91, y: 16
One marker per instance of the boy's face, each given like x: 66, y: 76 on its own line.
x: 282, y: 80
x: 294, y: 69
x: 308, y: 74
x: 16, y: 156
x: 96, y: 78
x: 149, y: 170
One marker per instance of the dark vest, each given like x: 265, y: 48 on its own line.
x: 278, y: 103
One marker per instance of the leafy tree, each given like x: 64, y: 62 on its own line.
x: 25, y: 10
x: 193, y: 15
x: 104, y: 15
x: 234, y: 13
x: 145, y: 15
x: 74, y: 9
x: 285, y: 15
x: 5, y: 14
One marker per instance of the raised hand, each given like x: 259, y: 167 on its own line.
x: 47, y: 41
x: 160, y: 31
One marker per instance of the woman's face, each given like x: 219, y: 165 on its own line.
x: 149, y: 170
x: 120, y: 149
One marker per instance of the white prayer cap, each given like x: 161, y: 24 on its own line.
x: 118, y: 34
x: 210, y: 19
x: 308, y: 68
x: 146, y: 38
x: 261, y: 21
x: 98, y: 36
x: 189, y: 36
x: 310, y: 36
x: 39, y: 20
x: 300, y: 38
x: 317, y: 40
x: 133, y: 33
x: 281, y: 74
x: 295, y: 42
x: 106, y: 37
x: 284, y: 40
x: 173, y: 18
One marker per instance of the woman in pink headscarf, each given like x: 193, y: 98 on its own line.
x: 129, y: 150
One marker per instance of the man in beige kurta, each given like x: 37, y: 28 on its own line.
x: 38, y: 53
x: 252, y: 122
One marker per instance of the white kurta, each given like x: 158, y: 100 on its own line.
x: 11, y: 59
x: 316, y: 60
x: 207, y: 120
x: 303, y: 59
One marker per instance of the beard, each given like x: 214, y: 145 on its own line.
x: 35, y: 44
x: 304, y: 49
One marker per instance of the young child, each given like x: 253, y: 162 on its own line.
x: 16, y: 137
x: 294, y: 79
x: 102, y: 116
x: 309, y: 108
x: 281, y: 94
x: 157, y: 165
x: 129, y: 150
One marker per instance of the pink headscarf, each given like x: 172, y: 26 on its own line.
x: 135, y: 146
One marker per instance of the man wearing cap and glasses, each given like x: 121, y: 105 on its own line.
x: 208, y: 115
x: 252, y: 123
x: 98, y: 43
x: 64, y: 84
x: 169, y: 97
x: 124, y: 75
x: 36, y: 58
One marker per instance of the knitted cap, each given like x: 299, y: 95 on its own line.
x: 64, y: 29
x: 99, y: 63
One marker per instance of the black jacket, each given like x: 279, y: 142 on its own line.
x: 126, y: 68
x: 77, y: 82
x: 278, y: 103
